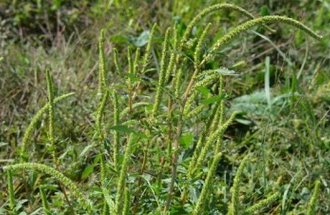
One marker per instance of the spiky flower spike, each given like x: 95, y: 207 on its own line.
x: 116, y: 118
x: 102, y: 69
x: 199, y: 209
x: 122, y: 177
x: 205, y: 82
x: 193, y: 23
x: 171, y: 68
x: 212, y: 139
x: 215, y: 119
x: 162, y: 75
x: 219, y: 115
x: 99, y: 115
x: 208, y: 11
x: 312, y: 201
x: 126, y: 202
x: 177, y: 82
x: 262, y: 203
x: 54, y: 173
x: 136, y: 105
x: 234, y: 207
x: 147, y: 53
x: 103, y: 183
x: 197, y: 54
x: 51, y: 117
x: 130, y: 73
x: 11, y: 192
x: 234, y: 33
x: 36, y: 118
x: 199, y: 46
x: 136, y: 60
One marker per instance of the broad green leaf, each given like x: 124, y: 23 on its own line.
x: 87, y: 171
x: 122, y: 128
x: 212, y: 100
x: 142, y: 39
x: 186, y: 140
x: 119, y: 39
x: 203, y: 90
x: 125, y: 129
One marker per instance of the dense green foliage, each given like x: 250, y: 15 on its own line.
x: 164, y: 107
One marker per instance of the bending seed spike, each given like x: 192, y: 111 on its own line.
x: 210, y: 10
x: 56, y: 174
x: 234, y: 33
x: 36, y: 118
x: 162, y: 75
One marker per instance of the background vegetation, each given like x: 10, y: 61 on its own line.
x: 281, y: 88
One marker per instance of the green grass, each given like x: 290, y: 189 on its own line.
x: 227, y: 115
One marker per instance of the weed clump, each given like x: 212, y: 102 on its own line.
x: 167, y: 138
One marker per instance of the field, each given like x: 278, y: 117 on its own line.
x: 165, y: 107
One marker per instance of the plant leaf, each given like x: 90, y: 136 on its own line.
x: 186, y: 140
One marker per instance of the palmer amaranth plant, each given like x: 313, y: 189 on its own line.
x: 159, y: 152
